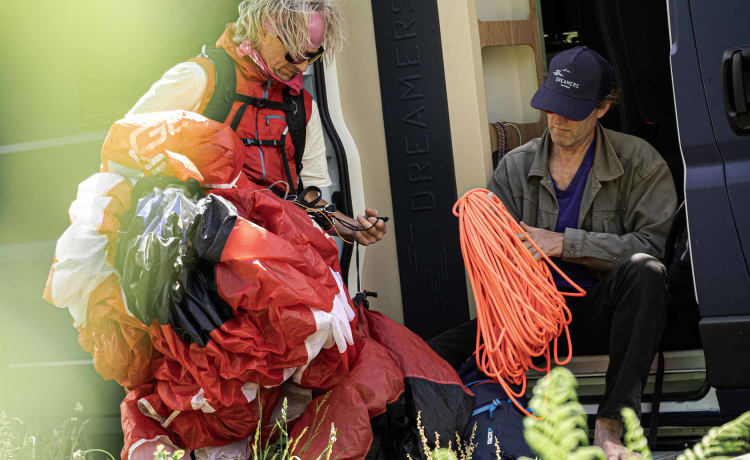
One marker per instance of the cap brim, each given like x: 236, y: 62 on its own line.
x: 569, y: 107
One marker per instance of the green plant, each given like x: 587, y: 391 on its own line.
x: 285, y: 447
x: 559, y: 430
x: 163, y: 454
x: 727, y: 441
x: 635, y: 440
x: 18, y: 440
x: 462, y: 451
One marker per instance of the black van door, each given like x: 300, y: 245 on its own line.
x: 710, y: 58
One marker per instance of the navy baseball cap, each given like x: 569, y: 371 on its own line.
x: 578, y: 79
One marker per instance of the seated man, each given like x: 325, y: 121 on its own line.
x: 600, y: 203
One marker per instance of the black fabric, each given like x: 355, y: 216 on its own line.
x: 503, y: 424
x: 456, y: 344
x: 197, y: 308
x: 640, y: 58
x: 249, y: 142
x: 444, y: 409
x: 656, y: 401
x: 238, y: 117
x: 393, y: 435
x: 623, y: 315
x: 261, y: 103
x: 211, y: 228
x: 220, y: 104
x: 148, y: 264
x: 683, y: 316
x: 285, y: 163
x: 297, y: 122
x: 168, y: 271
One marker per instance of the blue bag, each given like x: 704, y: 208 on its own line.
x: 495, y: 416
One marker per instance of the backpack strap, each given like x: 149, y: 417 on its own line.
x: 490, y: 407
x: 297, y: 122
x: 225, y: 78
x: 224, y: 95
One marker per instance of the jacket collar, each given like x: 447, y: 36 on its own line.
x: 246, y: 66
x: 606, y: 164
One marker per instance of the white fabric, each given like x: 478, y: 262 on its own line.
x: 148, y: 410
x: 199, y: 402
x: 81, y: 250
x: 99, y: 184
x: 333, y: 327
x: 182, y: 88
x: 250, y: 390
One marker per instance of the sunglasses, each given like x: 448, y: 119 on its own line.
x: 309, y: 59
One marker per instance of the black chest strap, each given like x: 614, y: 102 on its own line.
x: 225, y: 93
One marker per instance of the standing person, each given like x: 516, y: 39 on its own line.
x: 270, y: 45
x: 600, y: 203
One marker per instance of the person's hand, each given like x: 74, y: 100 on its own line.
x: 551, y: 243
x: 375, y: 227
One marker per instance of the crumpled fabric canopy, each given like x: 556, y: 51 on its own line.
x: 207, y: 296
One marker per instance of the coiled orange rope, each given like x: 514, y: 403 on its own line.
x: 519, y: 309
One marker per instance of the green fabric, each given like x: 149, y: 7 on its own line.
x: 220, y: 105
x: 627, y: 207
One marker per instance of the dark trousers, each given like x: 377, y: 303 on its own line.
x: 623, y: 314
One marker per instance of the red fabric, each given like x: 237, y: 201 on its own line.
x: 190, y: 429
x: 387, y: 352
x: 255, y: 124
x: 403, y: 345
x: 271, y: 276
x: 276, y: 273
x: 363, y: 393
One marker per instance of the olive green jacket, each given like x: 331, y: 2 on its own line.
x: 627, y: 206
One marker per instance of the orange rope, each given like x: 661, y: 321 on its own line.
x: 519, y: 309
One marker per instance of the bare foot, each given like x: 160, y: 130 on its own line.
x: 607, y: 435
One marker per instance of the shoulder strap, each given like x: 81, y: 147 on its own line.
x: 297, y: 122
x: 220, y: 105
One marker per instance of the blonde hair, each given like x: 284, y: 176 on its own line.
x: 289, y: 21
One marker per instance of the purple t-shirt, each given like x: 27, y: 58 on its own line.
x: 569, y: 205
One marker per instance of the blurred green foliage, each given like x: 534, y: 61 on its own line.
x: 69, y: 69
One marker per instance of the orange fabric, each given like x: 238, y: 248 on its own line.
x: 47, y: 295
x: 210, y: 70
x: 118, y: 342
x: 121, y: 202
x: 246, y: 67
x: 156, y: 144
x: 519, y: 309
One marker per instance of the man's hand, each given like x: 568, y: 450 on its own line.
x: 375, y: 227
x: 549, y: 242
